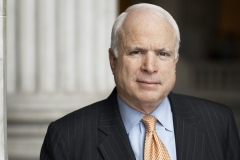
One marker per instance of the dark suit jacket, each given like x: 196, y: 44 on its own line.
x: 204, y: 130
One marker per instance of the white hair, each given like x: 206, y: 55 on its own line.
x: 160, y: 12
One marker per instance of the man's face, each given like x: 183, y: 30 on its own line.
x: 144, y: 71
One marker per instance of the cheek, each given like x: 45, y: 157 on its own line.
x: 129, y: 68
x: 168, y: 72
x: 124, y: 72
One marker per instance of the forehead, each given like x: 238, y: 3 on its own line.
x: 141, y: 26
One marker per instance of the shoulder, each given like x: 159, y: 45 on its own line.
x: 207, y: 111
x: 87, y: 116
x: 90, y: 112
x: 76, y: 126
x: 210, y: 115
x: 195, y: 102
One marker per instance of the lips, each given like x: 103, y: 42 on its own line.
x: 148, y: 82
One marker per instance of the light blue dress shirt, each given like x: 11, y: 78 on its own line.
x: 136, y: 129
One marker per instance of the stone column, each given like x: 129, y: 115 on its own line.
x: 27, y: 47
x: 57, y: 63
x: 3, y: 137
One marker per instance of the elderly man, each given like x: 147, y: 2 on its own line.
x: 142, y: 119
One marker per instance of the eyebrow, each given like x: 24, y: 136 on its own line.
x: 157, y: 50
x: 137, y: 48
x: 164, y: 49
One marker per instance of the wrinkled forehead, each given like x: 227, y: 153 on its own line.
x: 143, y: 13
x: 144, y: 20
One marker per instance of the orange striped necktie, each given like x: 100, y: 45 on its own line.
x: 154, y: 148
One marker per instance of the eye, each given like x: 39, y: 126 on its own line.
x: 135, y: 52
x: 162, y: 54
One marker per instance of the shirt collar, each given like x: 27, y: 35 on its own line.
x: 163, y: 113
x: 132, y: 117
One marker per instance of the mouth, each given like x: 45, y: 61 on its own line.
x: 148, y: 82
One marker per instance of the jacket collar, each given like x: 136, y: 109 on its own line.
x: 116, y: 144
x: 188, y: 133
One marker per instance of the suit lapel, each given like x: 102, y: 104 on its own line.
x: 116, y: 144
x: 188, y: 135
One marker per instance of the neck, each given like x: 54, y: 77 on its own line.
x: 143, y: 107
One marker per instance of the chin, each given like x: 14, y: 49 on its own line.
x: 150, y: 98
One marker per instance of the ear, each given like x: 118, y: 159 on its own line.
x: 112, y: 60
x: 176, y: 59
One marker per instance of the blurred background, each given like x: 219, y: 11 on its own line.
x: 57, y: 54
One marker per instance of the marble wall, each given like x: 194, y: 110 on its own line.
x: 57, y: 63
x: 3, y: 136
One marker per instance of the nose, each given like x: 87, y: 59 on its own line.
x: 149, y: 63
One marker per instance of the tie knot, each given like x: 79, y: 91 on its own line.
x: 149, y: 122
